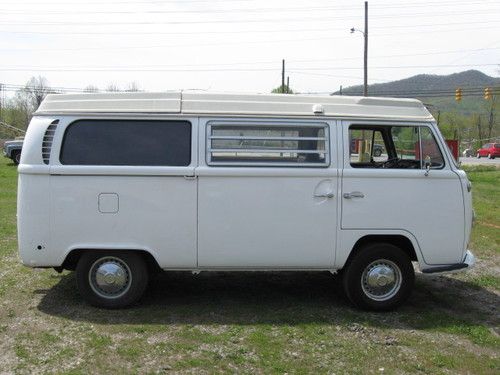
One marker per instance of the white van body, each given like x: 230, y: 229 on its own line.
x: 244, y: 208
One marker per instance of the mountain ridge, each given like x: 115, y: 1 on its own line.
x: 437, y: 91
x: 427, y: 82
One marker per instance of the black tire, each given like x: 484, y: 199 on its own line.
x: 383, y: 257
x: 113, y: 295
x: 16, y: 157
x: 478, y: 155
x: 490, y: 157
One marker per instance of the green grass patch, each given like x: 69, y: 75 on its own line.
x: 99, y: 341
x: 486, y: 281
x: 486, y: 200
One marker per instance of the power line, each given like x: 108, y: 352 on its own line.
x: 407, y: 94
x: 168, y: 45
x: 232, y: 21
x: 401, y: 66
x: 468, y: 91
x: 184, y: 11
x: 208, y: 11
x: 86, y: 3
x: 182, y: 45
x: 333, y: 75
x: 164, y: 2
x: 439, y: 31
x: 100, y: 33
x: 465, y: 90
x: 252, y: 62
x: 472, y: 91
x: 142, y: 69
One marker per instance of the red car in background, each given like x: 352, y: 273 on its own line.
x: 491, y: 150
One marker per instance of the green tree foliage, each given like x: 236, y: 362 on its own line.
x: 282, y: 90
x: 471, y: 130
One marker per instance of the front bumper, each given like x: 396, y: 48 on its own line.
x: 468, y: 262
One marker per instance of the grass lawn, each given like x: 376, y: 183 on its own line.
x: 252, y: 323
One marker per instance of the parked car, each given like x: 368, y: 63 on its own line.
x: 12, y: 150
x: 467, y: 153
x: 490, y: 150
x: 377, y: 150
x: 115, y: 186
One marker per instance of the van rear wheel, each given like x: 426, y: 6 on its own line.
x: 380, y: 277
x: 112, y: 279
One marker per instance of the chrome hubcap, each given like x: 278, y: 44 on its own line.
x: 381, y: 280
x: 110, y: 277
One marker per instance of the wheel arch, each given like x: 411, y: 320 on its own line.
x: 401, y: 241
x: 73, y: 256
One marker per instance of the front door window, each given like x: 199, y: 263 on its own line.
x: 396, y: 147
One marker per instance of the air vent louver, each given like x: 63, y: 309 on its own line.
x: 48, y: 137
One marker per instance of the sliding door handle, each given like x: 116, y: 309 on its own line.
x: 353, y: 194
x: 326, y: 195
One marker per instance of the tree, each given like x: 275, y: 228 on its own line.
x: 22, y: 109
x: 491, y: 108
x: 112, y: 87
x: 37, y: 89
x: 452, y: 125
x: 91, y: 88
x: 132, y: 87
x: 282, y: 90
x: 28, y: 99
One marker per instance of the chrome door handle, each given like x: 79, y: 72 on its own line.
x: 326, y: 195
x: 354, y: 194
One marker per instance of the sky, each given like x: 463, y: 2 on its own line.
x: 238, y: 45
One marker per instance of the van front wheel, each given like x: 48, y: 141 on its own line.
x: 111, y: 279
x: 380, y: 277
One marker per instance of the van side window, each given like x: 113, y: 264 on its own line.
x: 397, y: 147
x: 127, y: 142
x: 268, y: 145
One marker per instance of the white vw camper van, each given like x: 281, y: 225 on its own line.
x: 115, y: 186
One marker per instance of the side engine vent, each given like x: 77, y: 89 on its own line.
x: 48, y: 137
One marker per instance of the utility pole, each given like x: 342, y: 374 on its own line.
x: 365, y: 36
x: 491, y: 116
x: 288, y: 84
x: 365, y: 89
x: 491, y: 119
x: 283, y: 76
x: 1, y: 101
x: 479, y: 132
x: 340, y: 91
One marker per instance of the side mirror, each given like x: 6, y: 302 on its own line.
x: 427, y: 164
